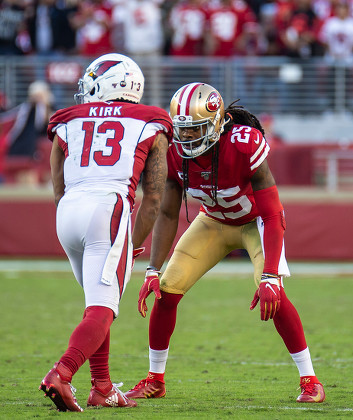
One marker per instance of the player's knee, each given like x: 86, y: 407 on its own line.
x: 100, y: 314
x: 169, y: 300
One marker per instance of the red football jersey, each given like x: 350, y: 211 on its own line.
x: 241, y: 152
x: 106, y: 144
x: 227, y: 24
x: 188, y: 22
x: 94, y: 35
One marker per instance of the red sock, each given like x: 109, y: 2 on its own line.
x: 163, y: 320
x: 87, y: 337
x: 64, y: 372
x: 155, y: 377
x: 99, y: 366
x: 289, y: 325
x: 102, y: 386
x: 309, y: 380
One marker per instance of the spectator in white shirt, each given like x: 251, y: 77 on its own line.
x: 337, y: 35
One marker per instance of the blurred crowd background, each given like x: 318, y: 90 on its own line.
x: 218, y: 28
x: 290, y: 62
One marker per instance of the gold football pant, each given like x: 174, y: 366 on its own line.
x: 205, y: 243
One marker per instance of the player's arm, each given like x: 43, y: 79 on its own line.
x: 262, y: 178
x: 153, y: 183
x: 271, y: 211
x: 166, y: 225
x: 164, y: 232
x: 57, y: 158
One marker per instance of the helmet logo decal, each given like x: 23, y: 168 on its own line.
x: 101, y: 68
x: 213, y: 102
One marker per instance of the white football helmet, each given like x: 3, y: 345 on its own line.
x: 197, y: 105
x: 109, y: 77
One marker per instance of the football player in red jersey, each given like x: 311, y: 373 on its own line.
x: 240, y: 209
x: 187, y: 23
x: 100, y: 149
x: 230, y: 25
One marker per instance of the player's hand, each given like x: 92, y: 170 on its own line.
x: 151, y: 284
x: 268, y: 293
x: 135, y: 253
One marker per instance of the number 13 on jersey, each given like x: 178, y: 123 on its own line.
x: 112, y: 132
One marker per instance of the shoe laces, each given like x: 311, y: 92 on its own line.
x: 141, y: 384
x: 307, y: 389
x: 118, y: 391
x: 73, y: 389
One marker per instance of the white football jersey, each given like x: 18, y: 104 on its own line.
x: 106, y: 144
x: 338, y: 35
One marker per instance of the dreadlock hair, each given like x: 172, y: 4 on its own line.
x: 237, y: 114
x: 234, y: 114
x: 185, y: 169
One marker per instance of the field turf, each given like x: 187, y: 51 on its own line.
x: 224, y: 362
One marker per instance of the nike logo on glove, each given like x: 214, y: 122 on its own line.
x: 269, y: 285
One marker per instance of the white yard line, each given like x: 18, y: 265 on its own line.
x: 224, y: 268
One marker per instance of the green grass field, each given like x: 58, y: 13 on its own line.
x: 224, y: 362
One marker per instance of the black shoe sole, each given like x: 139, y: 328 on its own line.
x: 52, y: 393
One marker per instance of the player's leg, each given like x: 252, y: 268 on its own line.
x: 106, y: 271
x: 93, y: 228
x: 83, y: 342
x: 57, y: 383
x: 87, y: 231
x: 200, y: 248
x: 290, y: 328
x: 286, y: 320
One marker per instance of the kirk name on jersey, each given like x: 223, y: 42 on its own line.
x: 104, y: 111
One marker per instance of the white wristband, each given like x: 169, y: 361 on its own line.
x: 152, y: 272
x: 273, y: 280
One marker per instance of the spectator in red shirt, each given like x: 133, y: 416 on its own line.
x: 93, y: 22
x: 188, y: 25
x: 300, y: 37
x: 233, y: 29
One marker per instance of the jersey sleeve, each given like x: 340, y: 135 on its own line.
x: 252, y: 143
x: 161, y: 117
x: 58, y: 118
x: 52, y: 126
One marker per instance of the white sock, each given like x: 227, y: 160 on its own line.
x: 158, y: 360
x: 303, y: 361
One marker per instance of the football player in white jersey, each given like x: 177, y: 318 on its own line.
x: 219, y: 158
x: 101, y: 147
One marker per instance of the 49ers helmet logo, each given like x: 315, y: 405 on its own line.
x: 213, y: 102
